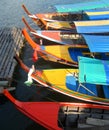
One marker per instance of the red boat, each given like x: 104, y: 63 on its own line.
x: 63, y: 115
x: 55, y: 37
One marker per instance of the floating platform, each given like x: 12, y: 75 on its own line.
x: 11, y: 42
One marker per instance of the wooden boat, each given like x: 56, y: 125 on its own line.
x: 64, y: 54
x: 63, y: 115
x: 61, y: 37
x: 95, y: 46
x: 85, y: 84
x: 54, y: 36
x: 65, y: 21
x: 81, y: 27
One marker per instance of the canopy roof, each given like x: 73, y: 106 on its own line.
x: 95, y: 26
x: 97, y: 14
x: 93, y: 71
x: 82, y: 6
x: 97, y: 43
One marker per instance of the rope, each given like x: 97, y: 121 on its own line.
x: 81, y: 85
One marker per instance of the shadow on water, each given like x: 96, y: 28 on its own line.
x: 9, y: 115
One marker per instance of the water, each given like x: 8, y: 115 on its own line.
x: 10, y: 15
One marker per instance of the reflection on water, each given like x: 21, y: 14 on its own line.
x: 10, y: 15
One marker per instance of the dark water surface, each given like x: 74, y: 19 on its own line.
x: 10, y: 15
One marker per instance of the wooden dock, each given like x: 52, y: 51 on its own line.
x: 11, y: 42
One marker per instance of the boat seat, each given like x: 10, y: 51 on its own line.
x: 72, y: 84
x: 106, y: 91
x: 74, y: 53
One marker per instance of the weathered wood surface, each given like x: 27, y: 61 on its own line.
x: 11, y: 42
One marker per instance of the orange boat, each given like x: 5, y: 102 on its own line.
x: 42, y: 19
x: 55, y: 36
x: 63, y: 115
x: 64, y: 54
x: 91, y: 46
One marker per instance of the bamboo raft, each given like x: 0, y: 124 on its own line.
x: 11, y: 42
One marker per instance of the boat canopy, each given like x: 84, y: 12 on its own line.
x: 82, y: 6
x: 93, y: 71
x: 97, y: 43
x: 95, y: 26
x: 97, y: 14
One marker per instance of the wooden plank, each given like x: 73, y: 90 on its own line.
x: 12, y: 69
x: 10, y: 56
x: 3, y: 83
x: 18, y: 40
x: 19, y: 43
x: 11, y: 42
x: 3, y: 50
x: 97, y: 122
x: 6, y: 56
x: 8, y: 61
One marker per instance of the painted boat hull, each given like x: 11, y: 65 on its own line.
x: 67, y: 54
x: 58, y: 80
x: 56, y: 115
x: 54, y: 36
x: 44, y: 21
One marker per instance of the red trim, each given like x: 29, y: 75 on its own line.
x: 25, y: 9
x: 46, y: 113
x: 27, y: 25
x: 31, y: 42
x: 37, y: 48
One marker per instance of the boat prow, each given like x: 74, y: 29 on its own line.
x: 63, y: 115
x: 38, y: 111
x: 72, y: 82
x: 98, y: 24
x: 54, y: 36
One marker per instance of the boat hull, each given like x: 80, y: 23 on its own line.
x: 63, y: 115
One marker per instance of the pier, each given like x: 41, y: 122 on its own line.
x: 11, y: 43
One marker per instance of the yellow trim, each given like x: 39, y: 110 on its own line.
x: 92, y: 23
x: 57, y: 76
x: 59, y: 51
x: 59, y: 24
x: 97, y: 13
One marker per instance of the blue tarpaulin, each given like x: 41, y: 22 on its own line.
x: 97, y: 43
x: 95, y: 14
x: 98, y: 72
x: 93, y: 26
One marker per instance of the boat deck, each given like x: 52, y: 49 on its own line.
x: 11, y: 42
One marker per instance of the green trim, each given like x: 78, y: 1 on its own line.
x: 76, y: 94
